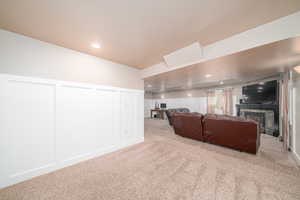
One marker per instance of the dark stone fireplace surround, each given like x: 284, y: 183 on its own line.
x: 272, y: 107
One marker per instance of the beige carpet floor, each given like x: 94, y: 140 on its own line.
x: 167, y: 166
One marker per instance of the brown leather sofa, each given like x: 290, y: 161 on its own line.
x: 188, y: 125
x: 233, y: 132
x: 169, y: 113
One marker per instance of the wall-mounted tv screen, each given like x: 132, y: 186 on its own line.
x: 262, y: 93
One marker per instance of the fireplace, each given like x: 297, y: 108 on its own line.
x: 266, y: 114
x: 265, y: 118
x: 261, y: 102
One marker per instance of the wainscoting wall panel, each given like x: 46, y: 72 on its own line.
x: 131, y: 117
x: 26, y: 128
x: 46, y: 125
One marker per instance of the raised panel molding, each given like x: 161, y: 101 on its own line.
x: 46, y: 124
x: 132, y: 123
x: 27, y: 110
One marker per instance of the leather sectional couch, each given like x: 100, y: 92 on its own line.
x: 233, y: 132
x: 169, y: 113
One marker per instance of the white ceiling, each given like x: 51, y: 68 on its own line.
x: 137, y: 32
x: 250, y: 65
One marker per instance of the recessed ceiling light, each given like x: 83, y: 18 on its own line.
x: 149, y: 85
x: 162, y: 96
x: 297, y: 69
x: 261, y: 83
x: 189, y: 94
x: 96, y: 45
x: 207, y: 75
x: 221, y: 82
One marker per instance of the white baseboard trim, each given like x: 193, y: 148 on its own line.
x: 296, y: 157
x: 132, y: 142
x: 17, y: 178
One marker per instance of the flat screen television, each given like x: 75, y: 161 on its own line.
x: 263, y: 93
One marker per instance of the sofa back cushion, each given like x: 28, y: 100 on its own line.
x: 188, y: 125
x: 171, y: 111
x: 235, y: 132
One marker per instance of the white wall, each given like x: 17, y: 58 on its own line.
x: 47, y: 124
x: 198, y: 104
x: 296, y: 120
x: 148, y: 105
x: 25, y: 56
x: 195, y: 104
